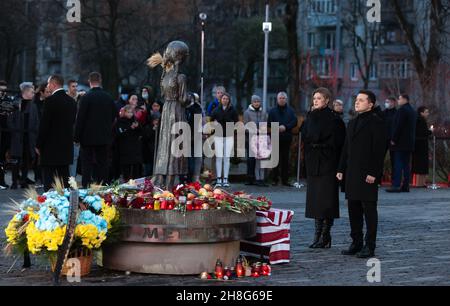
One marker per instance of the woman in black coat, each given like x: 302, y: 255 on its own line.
x: 420, y: 156
x: 324, y: 135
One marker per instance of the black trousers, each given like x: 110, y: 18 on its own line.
x: 50, y: 172
x: 283, y: 163
x: 94, y: 165
x: 359, y: 211
x: 131, y: 171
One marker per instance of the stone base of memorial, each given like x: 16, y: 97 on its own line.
x: 170, y: 242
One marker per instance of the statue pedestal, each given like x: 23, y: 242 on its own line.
x: 168, y: 242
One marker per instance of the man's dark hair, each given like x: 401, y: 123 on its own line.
x: 392, y: 98
x: 42, y: 87
x: 421, y: 109
x: 405, y: 96
x: 57, y: 79
x: 71, y: 82
x: 372, y: 97
x: 3, y: 83
x: 95, y: 77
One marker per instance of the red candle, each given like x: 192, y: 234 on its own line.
x: 219, y: 269
x: 163, y: 205
x: 265, y: 269
x: 189, y: 205
x: 239, y: 268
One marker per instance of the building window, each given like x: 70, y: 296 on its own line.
x: 322, y: 67
x: 395, y: 69
x: 330, y: 40
x: 311, y: 40
x: 323, y: 6
x: 354, y: 72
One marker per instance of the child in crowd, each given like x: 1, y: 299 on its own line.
x: 261, y: 147
x: 128, y: 135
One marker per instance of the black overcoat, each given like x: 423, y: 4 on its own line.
x: 55, y: 137
x: 420, y: 156
x: 363, y: 155
x: 323, y: 133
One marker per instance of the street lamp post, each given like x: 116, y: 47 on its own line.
x: 267, y: 28
x: 203, y: 18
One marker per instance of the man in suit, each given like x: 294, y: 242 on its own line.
x: 362, y: 162
x: 54, y: 143
x: 96, y: 115
x: 403, y: 144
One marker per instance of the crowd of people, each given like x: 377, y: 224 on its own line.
x: 62, y: 133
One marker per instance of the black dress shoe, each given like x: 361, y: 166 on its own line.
x: 405, y: 189
x: 353, y: 249
x: 394, y: 190
x: 13, y: 186
x: 366, y: 252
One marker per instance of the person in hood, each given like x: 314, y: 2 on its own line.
x: 257, y: 115
x: 128, y: 133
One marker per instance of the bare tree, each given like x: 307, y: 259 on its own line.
x: 290, y: 21
x: 427, y: 41
x: 363, y: 38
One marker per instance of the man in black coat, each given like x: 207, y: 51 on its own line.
x: 389, y: 114
x: 287, y: 120
x: 362, y: 161
x: 54, y: 143
x: 93, y: 131
x: 403, y: 143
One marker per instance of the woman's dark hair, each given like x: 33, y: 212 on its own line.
x: 324, y: 92
x: 405, y: 96
x: 226, y: 94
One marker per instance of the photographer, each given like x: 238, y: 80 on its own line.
x: 23, y: 124
x: 5, y: 136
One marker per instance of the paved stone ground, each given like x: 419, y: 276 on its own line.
x: 413, y: 247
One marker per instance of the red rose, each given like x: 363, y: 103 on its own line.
x: 137, y: 203
x: 41, y: 199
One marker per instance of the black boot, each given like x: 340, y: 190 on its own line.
x: 354, y: 248
x: 325, y: 241
x: 317, y: 233
x: 366, y: 252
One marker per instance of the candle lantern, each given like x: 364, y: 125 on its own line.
x: 189, y: 206
x: 227, y: 272
x: 266, y: 270
x: 240, y: 272
x: 219, y: 269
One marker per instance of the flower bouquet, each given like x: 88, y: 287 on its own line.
x: 40, y: 222
x: 184, y: 198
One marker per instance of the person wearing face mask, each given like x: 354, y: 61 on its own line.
x: 323, y: 134
x: 123, y: 99
x: 389, y: 114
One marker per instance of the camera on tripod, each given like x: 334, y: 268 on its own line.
x: 8, y: 103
